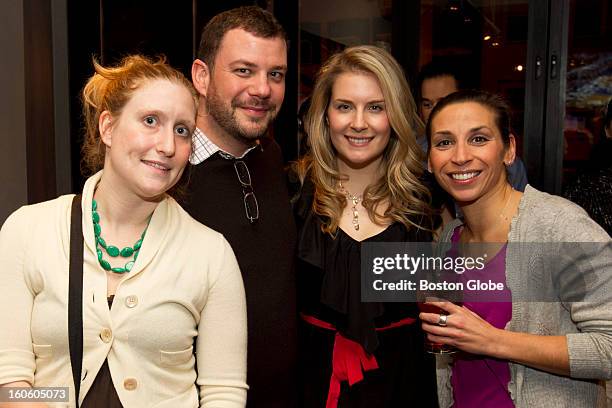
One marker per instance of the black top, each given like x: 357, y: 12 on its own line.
x: 265, y: 252
x: 102, y: 393
x: 592, y: 190
x: 329, y: 282
x: 329, y: 276
x: 592, y: 187
x: 331, y: 289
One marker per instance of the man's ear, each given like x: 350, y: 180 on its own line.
x: 200, y: 76
x: 105, y: 126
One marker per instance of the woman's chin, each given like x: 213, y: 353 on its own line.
x: 463, y: 197
x: 153, y: 193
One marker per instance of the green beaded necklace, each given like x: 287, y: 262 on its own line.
x: 112, y: 250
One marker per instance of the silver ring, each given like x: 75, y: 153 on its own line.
x: 442, y: 320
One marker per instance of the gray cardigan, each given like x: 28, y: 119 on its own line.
x: 587, y: 325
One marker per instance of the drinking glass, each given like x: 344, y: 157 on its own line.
x: 430, y: 346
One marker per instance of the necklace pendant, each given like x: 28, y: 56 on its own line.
x: 355, y: 201
x: 112, y: 250
x: 127, y: 252
x: 105, y: 265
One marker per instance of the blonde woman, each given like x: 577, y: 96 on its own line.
x: 361, y: 182
x: 153, y: 279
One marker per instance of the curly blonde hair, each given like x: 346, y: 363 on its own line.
x: 401, y: 187
x: 109, y: 89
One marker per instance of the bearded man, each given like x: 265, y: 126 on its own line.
x: 238, y: 186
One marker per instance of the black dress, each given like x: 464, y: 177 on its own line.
x: 329, y: 299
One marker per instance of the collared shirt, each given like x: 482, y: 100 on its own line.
x: 203, y: 148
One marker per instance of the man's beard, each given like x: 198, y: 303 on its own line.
x: 226, y: 117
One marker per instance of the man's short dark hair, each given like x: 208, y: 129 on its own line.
x: 251, y: 19
x: 436, y: 69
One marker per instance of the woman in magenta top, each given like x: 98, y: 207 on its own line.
x: 480, y: 381
x: 548, y: 341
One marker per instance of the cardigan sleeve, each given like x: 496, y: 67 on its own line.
x: 222, y: 333
x: 16, y: 356
x: 590, y: 350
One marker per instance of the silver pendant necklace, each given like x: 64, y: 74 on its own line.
x: 354, y: 200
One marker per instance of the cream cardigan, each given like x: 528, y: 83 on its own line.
x: 185, y: 283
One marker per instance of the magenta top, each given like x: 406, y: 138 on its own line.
x: 480, y: 381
